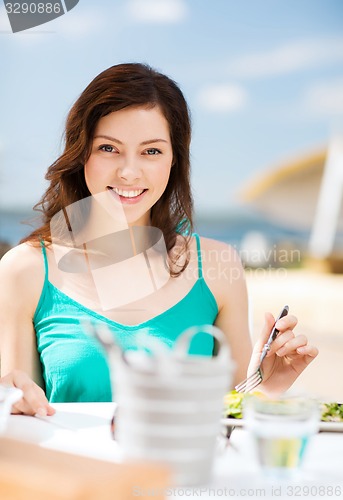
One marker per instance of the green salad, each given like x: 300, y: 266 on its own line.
x: 332, y: 412
x: 233, y: 404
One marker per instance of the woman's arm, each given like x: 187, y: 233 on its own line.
x: 224, y: 274
x: 289, y: 355
x: 21, y: 279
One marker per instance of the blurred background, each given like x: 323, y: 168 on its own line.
x: 264, y: 82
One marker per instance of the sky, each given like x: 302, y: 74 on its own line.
x: 263, y: 79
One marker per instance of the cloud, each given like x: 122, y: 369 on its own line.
x: 157, y: 11
x: 224, y: 98
x: 293, y: 57
x: 325, y: 98
x: 79, y: 23
x: 289, y: 58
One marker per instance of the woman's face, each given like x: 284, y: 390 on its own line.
x: 130, y: 160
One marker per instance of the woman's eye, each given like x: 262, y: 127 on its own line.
x: 152, y: 151
x: 107, y: 148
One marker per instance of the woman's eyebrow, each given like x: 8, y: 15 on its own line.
x: 113, y: 139
x: 150, y: 141
x: 108, y: 137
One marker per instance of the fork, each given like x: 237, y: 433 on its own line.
x: 256, y: 378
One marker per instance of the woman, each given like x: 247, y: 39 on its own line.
x: 124, y: 171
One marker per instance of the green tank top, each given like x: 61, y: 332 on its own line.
x: 74, y: 365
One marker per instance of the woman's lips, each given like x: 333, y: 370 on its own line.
x: 128, y: 197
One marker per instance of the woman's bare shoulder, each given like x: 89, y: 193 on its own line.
x: 219, y: 251
x: 23, y: 263
x: 222, y: 270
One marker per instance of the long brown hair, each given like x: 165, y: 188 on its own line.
x: 118, y: 87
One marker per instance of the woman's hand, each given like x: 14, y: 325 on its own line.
x: 33, y: 401
x: 289, y: 355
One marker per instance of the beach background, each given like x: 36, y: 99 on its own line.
x: 313, y: 295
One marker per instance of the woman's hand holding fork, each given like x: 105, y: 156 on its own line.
x: 288, y: 356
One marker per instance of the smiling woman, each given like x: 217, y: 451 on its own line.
x: 116, y: 249
x: 135, y: 93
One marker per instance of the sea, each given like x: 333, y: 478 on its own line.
x: 240, y: 228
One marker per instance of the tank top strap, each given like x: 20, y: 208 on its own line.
x: 45, y: 258
x: 197, y: 239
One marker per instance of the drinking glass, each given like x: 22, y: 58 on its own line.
x: 281, y: 429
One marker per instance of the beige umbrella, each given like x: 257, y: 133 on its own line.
x: 294, y: 193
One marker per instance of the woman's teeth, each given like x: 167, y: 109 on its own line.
x: 128, y: 194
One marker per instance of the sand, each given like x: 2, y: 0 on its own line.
x: 317, y: 300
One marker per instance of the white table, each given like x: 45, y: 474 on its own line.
x: 84, y: 429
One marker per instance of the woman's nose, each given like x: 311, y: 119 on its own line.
x: 129, y: 170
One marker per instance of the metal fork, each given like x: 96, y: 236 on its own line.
x: 256, y: 378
